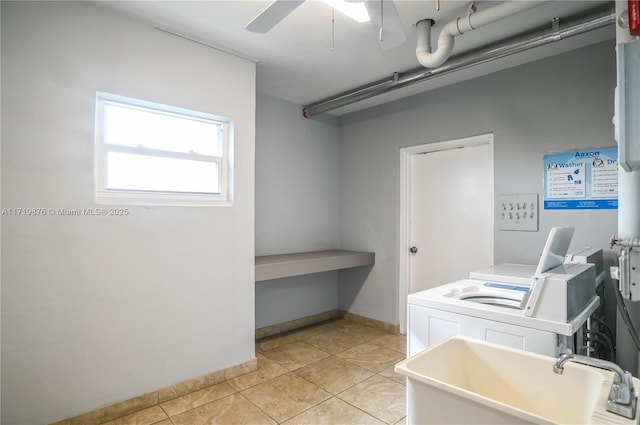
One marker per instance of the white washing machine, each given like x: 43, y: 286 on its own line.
x: 489, y: 307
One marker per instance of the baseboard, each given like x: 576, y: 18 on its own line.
x: 387, y: 327
x: 291, y: 325
x: 135, y: 404
x: 314, y: 319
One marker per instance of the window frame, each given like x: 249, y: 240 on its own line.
x: 104, y: 195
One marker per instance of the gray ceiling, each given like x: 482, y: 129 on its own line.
x: 295, y: 59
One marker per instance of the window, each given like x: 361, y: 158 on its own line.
x: 148, y: 153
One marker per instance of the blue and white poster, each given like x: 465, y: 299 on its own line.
x: 580, y: 180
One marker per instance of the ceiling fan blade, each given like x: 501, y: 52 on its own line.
x: 383, y: 13
x: 273, y: 14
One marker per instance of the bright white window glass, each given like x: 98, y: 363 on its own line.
x: 153, y: 153
x: 130, y: 126
x: 161, y: 174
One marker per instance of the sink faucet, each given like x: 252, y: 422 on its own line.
x: 622, y: 397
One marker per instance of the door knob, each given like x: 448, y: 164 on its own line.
x: 413, y: 249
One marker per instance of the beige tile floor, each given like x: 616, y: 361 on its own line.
x: 339, y: 372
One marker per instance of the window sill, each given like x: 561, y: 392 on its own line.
x: 161, y: 199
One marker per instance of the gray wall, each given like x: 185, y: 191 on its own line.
x: 557, y: 104
x: 100, y: 309
x: 0, y: 250
x: 297, y: 189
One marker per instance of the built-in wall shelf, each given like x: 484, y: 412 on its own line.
x: 286, y: 265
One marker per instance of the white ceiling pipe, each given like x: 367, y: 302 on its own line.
x: 458, y: 27
x: 574, y: 26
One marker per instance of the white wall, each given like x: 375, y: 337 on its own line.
x: 560, y: 103
x: 297, y: 187
x: 99, y: 309
x: 0, y: 243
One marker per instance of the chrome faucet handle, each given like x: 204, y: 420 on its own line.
x: 622, y: 396
x: 622, y: 400
x: 622, y: 390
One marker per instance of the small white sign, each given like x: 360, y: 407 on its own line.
x: 518, y: 212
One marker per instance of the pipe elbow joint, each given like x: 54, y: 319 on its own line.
x: 423, y: 47
x: 440, y: 56
x: 431, y: 60
x: 458, y: 27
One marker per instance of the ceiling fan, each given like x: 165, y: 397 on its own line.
x: 381, y: 13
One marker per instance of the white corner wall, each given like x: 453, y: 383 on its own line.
x: 0, y: 239
x: 560, y: 103
x: 99, y: 309
x: 297, y: 191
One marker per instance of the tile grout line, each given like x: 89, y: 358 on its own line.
x: 258, y: 407
x: 362, y: 410
x: 166, y: 413
x: 330, y: 355
x: 337, y: 395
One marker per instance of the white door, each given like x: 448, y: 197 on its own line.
x: 451, y: 227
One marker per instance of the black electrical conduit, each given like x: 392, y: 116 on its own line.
x: 624, y: 313
x: 521, y: 43
x: 605, y: 326
x: 598, y: 349
x: 596, y: 336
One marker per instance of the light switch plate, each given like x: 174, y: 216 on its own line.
x: 518, y: 212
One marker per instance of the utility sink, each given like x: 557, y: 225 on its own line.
x: 462, y: 380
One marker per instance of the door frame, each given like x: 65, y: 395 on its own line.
x: 404, y: 271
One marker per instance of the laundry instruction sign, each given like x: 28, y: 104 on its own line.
x: 581, y: 179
